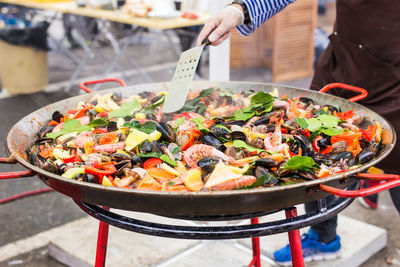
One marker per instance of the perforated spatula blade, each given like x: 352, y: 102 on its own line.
x: 183, y: 77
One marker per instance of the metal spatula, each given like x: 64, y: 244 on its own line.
x: 183, y: 77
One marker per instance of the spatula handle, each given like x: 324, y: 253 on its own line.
x: 206, y: 42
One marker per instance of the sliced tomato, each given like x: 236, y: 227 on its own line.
x: 151, y: 163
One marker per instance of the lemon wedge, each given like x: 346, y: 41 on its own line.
x: 239, y: 170
x: 193, y: 180
x: 135, y: 138
x: 221, y: 174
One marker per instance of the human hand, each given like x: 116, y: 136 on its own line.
x: 218, y: 27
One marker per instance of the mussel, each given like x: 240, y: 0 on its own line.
x: 262, y: 120
x: 146, y: 147
x: 121, y: 166
x: 116, y: 96
x: 330, y: 108
x: 307, y: 101
x: 221, y: 132
x: 167, y: 133
x: 57, y: 116
x: 269, y: 178
x: 340, y: 155
x: 112, y: 126
x: 45, y: 130
x: 266, y: 163
x: 208, y: 163
x: 156, y: 147
x: 238, y: 135
x: 308, y: 175
x: 212, y: 140
x: 364, y: 156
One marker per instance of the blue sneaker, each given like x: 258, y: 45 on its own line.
x: 313, y: 250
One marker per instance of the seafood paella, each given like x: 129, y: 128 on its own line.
x: 218, y: 141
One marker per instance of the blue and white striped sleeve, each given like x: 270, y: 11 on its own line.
x: 260, y: 11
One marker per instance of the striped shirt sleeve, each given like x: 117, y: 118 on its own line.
x: 260, y: 11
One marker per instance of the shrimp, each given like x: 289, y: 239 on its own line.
x: 197, y: 152
x: 235, y: 183
x: 110, y: 148
x: 273, y: 141
x: 81, y: 139
x: 123, y: 182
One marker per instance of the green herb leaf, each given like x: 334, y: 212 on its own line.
x: 179, y: 121
x: 332, y: 131
x: 168, y: 160
x: 328, y: 121
x: 300, y: 163
x: 97, y: 123
x: 259, y: 182
x: 314, y: 124
x: 242, y: 144
x: 170, y: 183
x: 223, y: 127
x: 149, y: 155
x: 198, y: 121
x: 126, y: 109
x: 320, y: 112
x: 301, y: 122
x: 240, y: 115
x: 156, y: 104
x: 206, y: 92
x: 147, y: 127
x: 266, y: 100
x: 70, y: 126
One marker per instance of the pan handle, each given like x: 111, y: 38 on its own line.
x: 12, y: 175
x: 87, y: 90
x: 363, y: 93
x: 393, y: 180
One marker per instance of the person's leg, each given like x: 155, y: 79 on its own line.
x: 326, y: 230
x: 395, y: 194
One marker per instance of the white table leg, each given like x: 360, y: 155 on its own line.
x: 219, y: 55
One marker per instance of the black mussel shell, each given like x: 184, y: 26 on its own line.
x: 221, y: 132
x: 307, y: 101
x: 284, y: 172
x: 270, y: 178
x: 144, y: 94
x: 156, y: 147
x: 212, y: 140
x: 239, y: 123
x: 263, y: 120
x: 112, y: 126
x: 151, y: 116
x: 364, y: 143
x: 121, y: 166
x: 91, y: 178
x: 167, y: 133
x: 116, y: 96
x: 266, y: 163
x: 45, y: 130
x: 238, y: 135
x: 330, y: 108
x: 121, y: 156
x: 364, y: 156
x: 340, y: 155
x: 57, y: 116
x: 308, y: 175
x: 156, y: 98
x: 146, y: 147
x: 324, y: 142
x: 51, y: 167
x: 208, y: 163
x: 44, y: 140
x: 95, y: 102
x: 219, y: 121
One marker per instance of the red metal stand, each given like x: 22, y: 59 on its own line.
x: 295, y: 241
x: 102, y: 240
x: 255, y: 242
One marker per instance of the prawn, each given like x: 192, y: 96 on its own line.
x: 273, y: 141
x: 235, y: 183
x: 110, y: 148
x: 197, y: 152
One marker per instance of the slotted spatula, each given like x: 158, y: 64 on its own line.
x: 183, y: 77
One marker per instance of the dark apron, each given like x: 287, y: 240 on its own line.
x: 364, y: 51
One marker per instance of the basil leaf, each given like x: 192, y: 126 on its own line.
x: 147, y: 127
x: 328, y: 121
x: 242, y: 144
x: 70, y: 126
x: 320, y: 112
x: 313, y: 135
x: 168, y: 160
x: 300, y: 163
x: 97, y: 123
x: 332, y: 131
x: 170, y: 183
x: 263, y: 99
x: 179, y: 121
x: 301, y: 122
x: 126, y: 109
x: 176, y: 150
x: 314, y: 124
x: 206, y: 92
x: 156, y: 104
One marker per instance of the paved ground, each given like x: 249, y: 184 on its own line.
x: 26, y: 217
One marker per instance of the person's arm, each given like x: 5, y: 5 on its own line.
x: 218, y: 27
x: 260, y: 11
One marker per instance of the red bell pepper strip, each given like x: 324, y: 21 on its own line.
x: 151, y: 163
x: 208, y: 123
x: 189, y: 142
x: 315, y: 143
x: 107, y: 169
x: 327, y: 150
x: 306, y: 133
x: 184, y: 114
x: 74, y: 158
x: 344, y: 116
x: 53, y: 123
x: 100, y: 131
